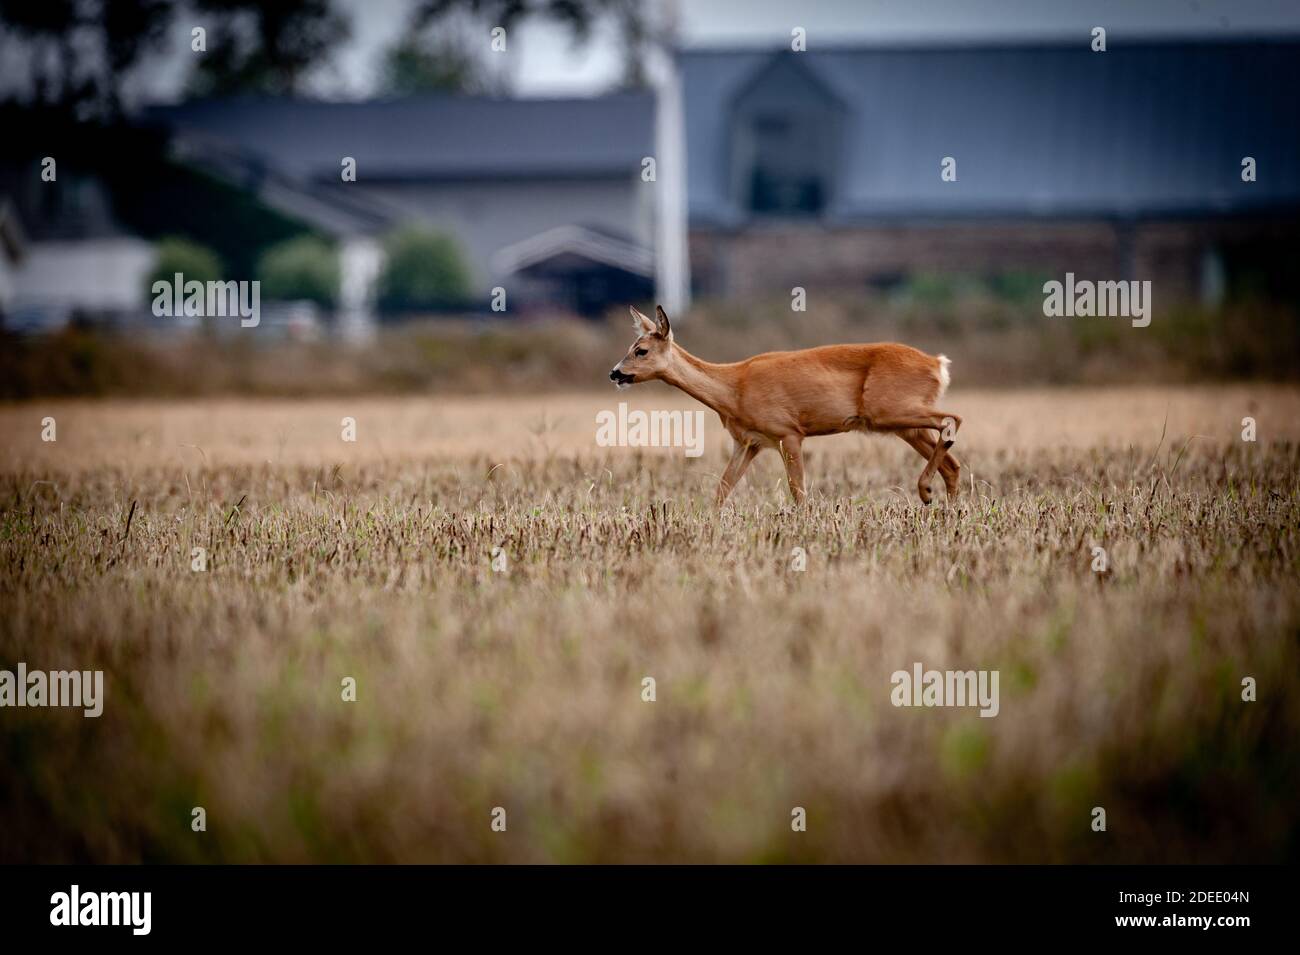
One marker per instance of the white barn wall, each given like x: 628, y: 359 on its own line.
x: 108, y: 274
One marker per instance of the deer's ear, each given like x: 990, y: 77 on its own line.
x: 642, y: 323
x: 662, y: 328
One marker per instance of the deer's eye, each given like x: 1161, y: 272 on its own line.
x: 641, y: 352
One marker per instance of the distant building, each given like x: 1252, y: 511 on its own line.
x: 822, y: 169
x: 545, y: 197
x: 839, y: 170
x: 63, y: 254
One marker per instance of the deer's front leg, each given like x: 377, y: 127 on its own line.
x: 741, y: 457
x: 792, y: 454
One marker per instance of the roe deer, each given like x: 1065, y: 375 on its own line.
x: 778, y: 399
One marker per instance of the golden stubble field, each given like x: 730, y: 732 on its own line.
x: 523, y: 688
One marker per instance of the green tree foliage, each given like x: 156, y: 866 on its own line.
x: 422, y: 270
x: 437, y: 64
x: 301, y: 269
x: 80, y: 51
x: 260, y: 47
x: 195, y: 262
x: 578, y: 16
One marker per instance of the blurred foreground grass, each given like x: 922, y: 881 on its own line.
x: 523, y: 689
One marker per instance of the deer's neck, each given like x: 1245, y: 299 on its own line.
x: 714, y: 385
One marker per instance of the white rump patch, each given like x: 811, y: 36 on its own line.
x: 944, y: 378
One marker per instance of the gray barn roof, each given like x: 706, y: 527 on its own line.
x: 428, y: 137
x: 1139, y: 130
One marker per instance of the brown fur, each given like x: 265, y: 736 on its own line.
x: 777, y: 399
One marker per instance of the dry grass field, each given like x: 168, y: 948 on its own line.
x: 522, y: 688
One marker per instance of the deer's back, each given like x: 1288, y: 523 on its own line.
x: 829, y: 389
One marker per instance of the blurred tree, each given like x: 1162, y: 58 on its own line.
x: 129, y: 28
x: 45, y: 30
x: 419, y: 63
x: 79, y: 53
x: 193, y: 261
x: 260, y: 47
x: 301, y: 269
x: 579, y: 16
x: 422, y: 270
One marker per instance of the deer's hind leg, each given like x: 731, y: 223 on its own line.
x: 949, y: 467
x: 920, y: 416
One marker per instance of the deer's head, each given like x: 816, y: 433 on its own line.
x: 649, y: 355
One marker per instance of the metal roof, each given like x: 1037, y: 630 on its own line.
x: 429, y: 137
x: 1139, y: 130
